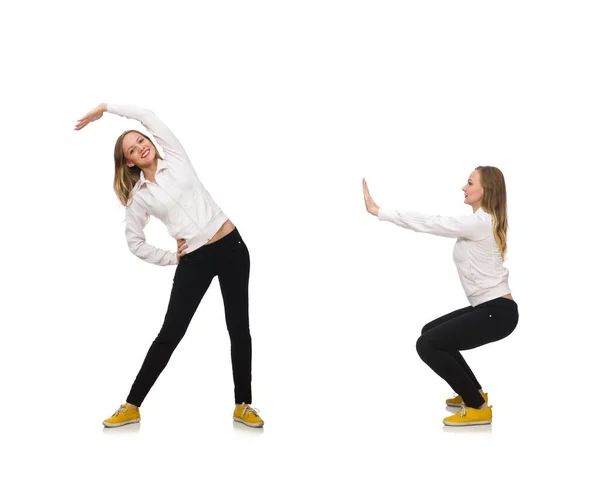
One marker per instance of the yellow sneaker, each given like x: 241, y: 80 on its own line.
x: 247, y: 415
x: 458, y: 400
x: 469, y: 416
x: 123, y: 416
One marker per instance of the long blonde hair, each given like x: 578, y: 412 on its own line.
x: 126, y: 177
x: 494, y: 203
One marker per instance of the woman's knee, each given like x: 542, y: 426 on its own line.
x: 422, y: 346
x: 170, y: 336
x: 240, y: 336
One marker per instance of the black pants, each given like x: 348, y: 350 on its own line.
x: 467, y: 328
x: 227, y: 258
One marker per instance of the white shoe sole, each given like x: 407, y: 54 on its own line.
x: 466, y: 424
x: 254, y: 425
x: 111, y: 425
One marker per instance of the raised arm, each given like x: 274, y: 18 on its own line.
x: 163, y: 135
x: 135, y: 220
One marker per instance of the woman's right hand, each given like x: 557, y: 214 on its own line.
x: 91, y: 116
x: 370, y: 204
x: 181, y: 246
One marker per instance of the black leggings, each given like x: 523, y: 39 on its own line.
x: 467, y: 328
x: 227, y: 258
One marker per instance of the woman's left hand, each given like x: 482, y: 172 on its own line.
x: 372, y: 207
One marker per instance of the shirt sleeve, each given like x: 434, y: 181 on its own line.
x: 163, y: 135
x: 135, y: 220
x: 472, y: 227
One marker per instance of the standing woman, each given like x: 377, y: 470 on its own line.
x: 479, y: 256
x: 208, y: 243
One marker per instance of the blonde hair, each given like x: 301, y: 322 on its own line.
x: 126, y: 177
x: 494, y: 203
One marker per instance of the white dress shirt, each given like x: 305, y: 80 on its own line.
x: 178, y: 198
x: 476, y: 253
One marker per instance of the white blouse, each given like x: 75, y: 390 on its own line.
x: 178, y: 198
x: 476, y: 253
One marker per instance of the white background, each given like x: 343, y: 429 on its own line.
x: 283, y: 108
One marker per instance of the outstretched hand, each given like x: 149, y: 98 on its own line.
x: 372, y: 207
x: 91, y: 116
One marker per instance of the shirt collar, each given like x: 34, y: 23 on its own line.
x: 161, y: 166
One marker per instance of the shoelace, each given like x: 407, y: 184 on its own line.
x: 249, y: 409
x: 463, y: 410
x: 122, y: 408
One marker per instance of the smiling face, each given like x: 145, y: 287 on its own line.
x: 473, y: 190
x: 138, y: 150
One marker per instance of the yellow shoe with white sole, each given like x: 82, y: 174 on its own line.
x: 458, y: 400
x: 469, y: 416
x: 247, y: 415
x: 123, y: 416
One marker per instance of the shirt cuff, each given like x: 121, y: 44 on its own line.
x: 387, y: 214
